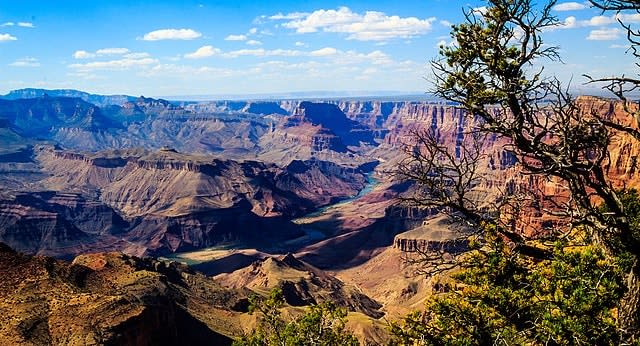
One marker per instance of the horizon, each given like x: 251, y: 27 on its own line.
x: 314, y: 95
x: 209, y: 48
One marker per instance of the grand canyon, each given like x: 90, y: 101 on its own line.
x: 319, y: 173
x: 120, y: 197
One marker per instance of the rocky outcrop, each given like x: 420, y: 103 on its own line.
x: 436, y: 234
x: 301, y: 283
x: 112, y: 299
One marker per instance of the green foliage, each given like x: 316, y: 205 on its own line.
x: 630, y: 199
x: 492, y: 52
x: 323, y: 324
x: 504, y: 298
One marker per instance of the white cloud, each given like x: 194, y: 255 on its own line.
x: 26, y: 62
x: 445, y: 23
x: 83, y: 54
x: 327, y: 51
x: 26, y: 24
x: 263, y: 52
x: 203, y: 52
x: 289, y: 16
x: 628, y: 17
x: 7, y: 37
x: 8, y: 24
x: 253, y: 31
x: 120, y: 64
x: 571, y: 22
x: 171, y: 34
x: 604, y: 34
x: 598, y: 21
x: 254, y: 43
x: 569, y: 6
x: 112, y: 51
x: 236, y: 38
x: 370, y: 26
x: 300, y: 44
x: 137, y: 55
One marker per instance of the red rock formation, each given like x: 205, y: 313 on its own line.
x: 111, y: 299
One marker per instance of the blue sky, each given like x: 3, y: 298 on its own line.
x: 162, y: 48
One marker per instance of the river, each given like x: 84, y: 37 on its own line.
x: 311, y: 235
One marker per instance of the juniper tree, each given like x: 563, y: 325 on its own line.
x: 494, y: 72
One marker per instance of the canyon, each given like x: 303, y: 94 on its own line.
x: 211, y: 201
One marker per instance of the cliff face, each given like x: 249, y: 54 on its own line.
x: 154, y: 203
x: 169, y: 183
x: 55, y: 223
x: 311, y: 143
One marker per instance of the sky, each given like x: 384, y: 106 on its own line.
x: 171, y: 48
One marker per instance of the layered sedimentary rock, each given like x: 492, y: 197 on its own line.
x: 170, y: 183
x: 155, y: 203
x: 436, y: 234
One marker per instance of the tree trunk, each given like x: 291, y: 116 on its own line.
x: 629, y: 314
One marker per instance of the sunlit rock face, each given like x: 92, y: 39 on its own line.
x: 156, y: 176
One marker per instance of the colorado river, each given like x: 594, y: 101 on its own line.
x: 371, y: 184
x: 311, y: 235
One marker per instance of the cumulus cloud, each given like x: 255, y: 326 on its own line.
x: 263, y: 52
x: 254, y: 43
x: 327, y: 51
x: 569, y: 6
x: 203, y: 52
x: 171, y: 34
x: 300, y: 44
x: 8, y: 24
x: 137, y: 55
x: 604, y: 34
x: 236, y: 38
x: 26, y: 62
x: 83, y: 54
x: 119, y: 64
x: 370, y: 26
x: 7, y: 37
x: 571, y: 22
x: 112, y: 51
x: 289, y: 16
